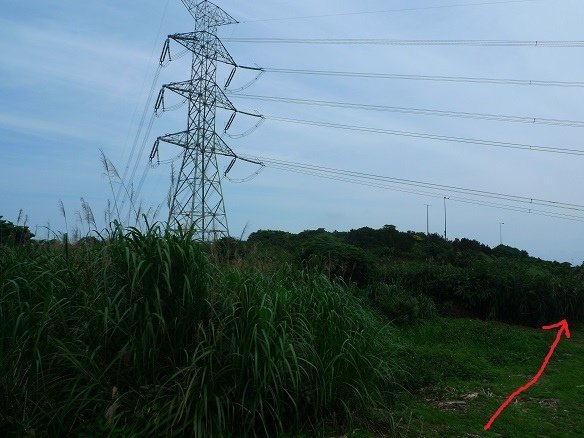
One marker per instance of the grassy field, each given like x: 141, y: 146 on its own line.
x: 467, y: 368
x: 150, y: 334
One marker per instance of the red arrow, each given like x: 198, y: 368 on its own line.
x: 563, y: 328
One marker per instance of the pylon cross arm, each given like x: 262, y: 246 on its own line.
x: 212, y: 14
x: 217, y: 145
x: 177, y: 139
x: 190, y: 90
x: 221, y: 148
x: 193, y: 41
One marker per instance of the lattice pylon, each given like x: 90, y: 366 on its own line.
x: 197, y: 195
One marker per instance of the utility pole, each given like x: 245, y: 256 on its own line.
x: 501, y: 232
x: 196, y: 197
x: 445, y: 235
x: 427, y: 219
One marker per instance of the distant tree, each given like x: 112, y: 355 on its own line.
x: 308, y: 234
x: 468, y: 245
x: 88, y: 241
x: 11, y: 234
x: 385, y: 241
x: 510, y: 252
x: 281, y: 239
x: 365, y: 238
x: 338, y: 259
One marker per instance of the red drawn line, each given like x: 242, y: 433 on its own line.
x: 563, y: 328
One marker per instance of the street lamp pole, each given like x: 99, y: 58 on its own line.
x: 427, y: 219
x: 445, y: 235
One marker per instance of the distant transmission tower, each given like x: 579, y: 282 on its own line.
x: 196, y: 197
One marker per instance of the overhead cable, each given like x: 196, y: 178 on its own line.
x: 416, y: 111
x: 388, y: 11
x: 396, y: 42
x: 430, y: 194
x: 131, y: 159
x: 411, y: 77
x: 446, y: 138
x: 373, y: 178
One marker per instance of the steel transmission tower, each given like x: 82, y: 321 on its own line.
x: 196, y: 197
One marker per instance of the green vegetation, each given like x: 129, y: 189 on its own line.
x: 14, y: 234
x: 143, y: 335
x: 467, y: 368
x: 463, y: 277
x: 148, y: 334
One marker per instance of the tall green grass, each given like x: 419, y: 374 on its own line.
x: 141, y: 334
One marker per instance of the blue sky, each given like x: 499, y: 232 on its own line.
x: 74, y: 78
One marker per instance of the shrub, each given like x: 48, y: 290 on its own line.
x: 338, y: 260
x: 227, y: 249
x: 399, y: 306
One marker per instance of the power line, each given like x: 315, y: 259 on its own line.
x: 146, y: 107
x: 376, y: 180
x: 388, y: 11
x: 411, y: 77
x: 465, y: 140
x: 396, y: 42
x: 417, y: 111
x: 434, y: 195
x: 458, y: 189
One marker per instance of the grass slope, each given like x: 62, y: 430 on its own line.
x: 466, y: 368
